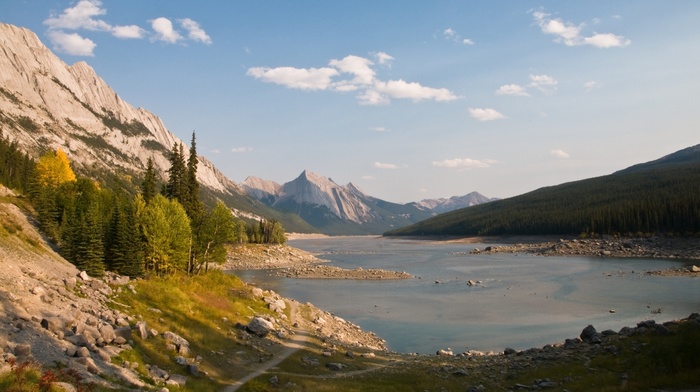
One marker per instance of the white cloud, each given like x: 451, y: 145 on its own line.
x: 463, y: 163
x: 368, y: 178
x: 390, y: 166
x: 165, y: 31
x: 371, y: 91
x: 380, y: 129
x: 71, y: 43
x: 485, y: 114
x: 607, y: 40
x: 414, y: 91
x: 298, y: 78
x: 373, y: 97
x: 559, y: 154
x: 80, y: 17
x: 452, y: 35
x: 570, y: 34
x: 544, y: 83
x: 194, y: 31
x: 239, y: 150
x: 512, y: 89
x: 592, y: 85
x: 383, y: 58
x: 355, y: 65
x: 132, y: 32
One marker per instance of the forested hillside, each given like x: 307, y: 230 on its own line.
x: 661, y: 196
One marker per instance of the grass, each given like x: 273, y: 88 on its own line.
x: 203, y: 309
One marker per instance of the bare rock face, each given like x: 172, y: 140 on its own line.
x: 69, y: 105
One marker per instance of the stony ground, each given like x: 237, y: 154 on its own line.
x: 687, y: 249
x: 296, y: 263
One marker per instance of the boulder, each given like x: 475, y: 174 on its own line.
x: 277, y: 306
x: 590, y: 335
x: 175, y: 339
x: 84, y: 276
x: 695, y: 268
x: 52, y: 324
x: 142, y: 329
x: 335, y: 366
x: 259, y: 326
x: 177, y: 380
x: 70, y: 283
x: 107, y: 333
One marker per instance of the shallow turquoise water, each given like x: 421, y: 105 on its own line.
x: 522, y: 301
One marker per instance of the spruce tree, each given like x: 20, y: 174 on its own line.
x: 150, y: 181
x: 175, y: 187
x: 191, y: 203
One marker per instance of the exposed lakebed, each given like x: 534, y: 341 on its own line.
x: 514, y: 300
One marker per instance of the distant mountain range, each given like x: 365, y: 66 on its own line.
x: 657, y: 197
x: 47, y: 104
x: 346, y: 209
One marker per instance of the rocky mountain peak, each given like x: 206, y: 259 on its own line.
x: 45, y: 103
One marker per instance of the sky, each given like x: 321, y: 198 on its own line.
x: 408, y: 100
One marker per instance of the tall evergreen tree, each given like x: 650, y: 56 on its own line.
x: 191, y: 203
x: 177, y: 173
x: 123, y: 247
x: 150, y: 181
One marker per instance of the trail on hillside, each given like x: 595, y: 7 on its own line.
x: 297, y: 342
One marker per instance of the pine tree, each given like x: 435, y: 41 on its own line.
x: 123, y: 247
x: 191, y: 202
x: 175, y: 188
x: 150, y: 181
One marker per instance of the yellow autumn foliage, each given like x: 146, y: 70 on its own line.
x: 53, y: 169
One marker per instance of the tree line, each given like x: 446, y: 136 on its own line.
x: 152, y: 232
x: 664, y: 199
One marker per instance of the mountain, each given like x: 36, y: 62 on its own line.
x: 332, y: 208
x: 346, y: 209
x: 442, y: 205
x: 47, y: 104
x: 661, y: 196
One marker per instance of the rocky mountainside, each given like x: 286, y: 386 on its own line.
x: 47, y: 104
x: 441, y: 205
x: 346, y: 209
x: 332, y: 208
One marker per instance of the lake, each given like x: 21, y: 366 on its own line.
x: 522, y: 300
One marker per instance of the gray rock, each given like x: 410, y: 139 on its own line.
x: 84, y: 276
x: 142, y: 329
x: 70, y: 283
x: 107, y: 333
x: 509, y: 351
x: 335, y: 366
x: 193, y: 369
x: 82, y: 352
x: 177, y: 380
x: 22, y: 350
x: 589, y: 335
x: 123, y: 332
x: 277, y: 306
x: 53, y: 324
x: 259, y: 326
x: 175, y: 339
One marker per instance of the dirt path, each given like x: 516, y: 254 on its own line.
x: 298, y: 341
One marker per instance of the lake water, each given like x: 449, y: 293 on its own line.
x: 522, y: 301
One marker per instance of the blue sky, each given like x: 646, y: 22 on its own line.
x: 407, y: 100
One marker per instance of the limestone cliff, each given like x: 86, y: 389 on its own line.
x: 46, y: 104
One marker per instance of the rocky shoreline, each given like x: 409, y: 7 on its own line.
x: 289, y: 262
x: 684, y: 249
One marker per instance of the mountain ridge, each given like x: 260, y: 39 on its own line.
x: 656, y: 197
